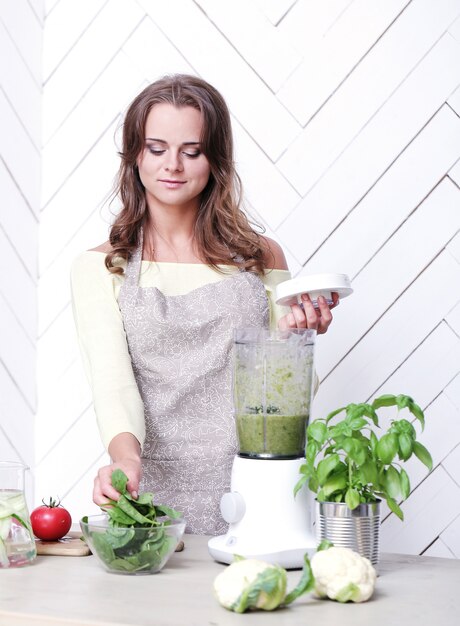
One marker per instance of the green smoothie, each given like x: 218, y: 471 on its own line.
x: 283, y: 435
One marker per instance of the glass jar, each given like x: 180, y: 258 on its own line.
x: 273, y: 379
x: 17, y: 543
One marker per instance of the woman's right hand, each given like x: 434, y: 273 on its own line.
x: 103, y: 489
x: 125, y: 452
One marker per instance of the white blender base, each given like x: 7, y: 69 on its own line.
x: 224, y: 552
x: 266, y: 521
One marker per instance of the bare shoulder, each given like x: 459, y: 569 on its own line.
x: 104, y: 247
x: 274, y: 255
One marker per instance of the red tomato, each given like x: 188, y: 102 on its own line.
x: 50, y: 521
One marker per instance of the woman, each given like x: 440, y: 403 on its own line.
x: 156, y: 305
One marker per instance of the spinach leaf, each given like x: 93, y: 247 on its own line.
x: 135, y: 538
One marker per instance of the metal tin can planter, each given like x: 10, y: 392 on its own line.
x: 358, y: 529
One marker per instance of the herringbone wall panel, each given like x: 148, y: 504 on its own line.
x: 346, y: 118
x: 21, y: 33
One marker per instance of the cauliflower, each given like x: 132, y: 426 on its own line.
x: 254, y: 584
x: 342, y: 574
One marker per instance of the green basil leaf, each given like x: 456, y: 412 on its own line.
x: 333, y: 414
x: 385, y: 400
x: 354, y: 410
x: 340, y: 430
x: 387, y: 448
x: 367, y: 472
x: 405, y: 443
x: 423, y: 455
x: 299, y: 484
x: 359, y: 436
x: 405, y: 484
x: 404, y: 426
x: 311, y: 450
x: 306, y: 469
x: 393, y: 506
x: 317, y: 430
x: 352, y: 498
x: 392, y: 482
x: 357, y: 423
x: 313, y: 483
x: 418, y: 413
x: 342, y: 468
x: 326, y: 466
x: 403, y: 401
x: 355, y: 450
x: 374, y: 441
x: 333, y: 484
x: 370, y: 412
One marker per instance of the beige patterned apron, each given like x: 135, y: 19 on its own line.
x: 181, y: 349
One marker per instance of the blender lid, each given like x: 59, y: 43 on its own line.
x: 289, y: 291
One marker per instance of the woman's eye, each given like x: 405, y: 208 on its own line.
x: 156, y: 151
x: 192, y: 155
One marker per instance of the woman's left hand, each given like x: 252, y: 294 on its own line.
x: 307, y: 316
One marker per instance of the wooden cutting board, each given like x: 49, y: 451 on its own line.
x: 70, y: 545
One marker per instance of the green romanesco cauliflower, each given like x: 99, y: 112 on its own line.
x: 343, y: 575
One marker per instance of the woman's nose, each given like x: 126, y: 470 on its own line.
x: 173, y: 161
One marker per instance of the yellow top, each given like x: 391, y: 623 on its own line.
x: 117, y: 402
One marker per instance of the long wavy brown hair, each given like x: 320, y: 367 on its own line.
x: 223, y: 233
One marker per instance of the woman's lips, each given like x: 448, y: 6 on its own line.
x: 172, y: 184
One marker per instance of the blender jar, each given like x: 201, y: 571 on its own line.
x: 272, y: 384
x: 17, y: 543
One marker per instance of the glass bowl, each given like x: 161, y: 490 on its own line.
x: 131, y: 550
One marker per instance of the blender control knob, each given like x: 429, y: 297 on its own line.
x: 232, y: 507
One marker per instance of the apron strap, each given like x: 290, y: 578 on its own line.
x: 133, y: 267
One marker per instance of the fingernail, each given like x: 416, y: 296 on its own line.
x: 134, y: 494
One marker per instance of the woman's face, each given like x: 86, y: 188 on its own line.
x: 172, y: 167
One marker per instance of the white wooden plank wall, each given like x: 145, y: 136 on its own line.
x: 346, y: 119
x: 21, y: 34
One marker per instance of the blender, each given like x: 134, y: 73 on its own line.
x: 272, y: 390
